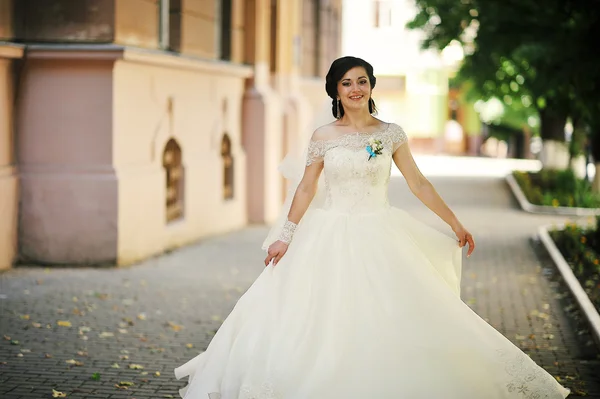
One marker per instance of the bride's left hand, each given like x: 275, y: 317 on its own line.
x: 464, y: 238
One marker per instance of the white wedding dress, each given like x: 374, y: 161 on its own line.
x: 365, y: 304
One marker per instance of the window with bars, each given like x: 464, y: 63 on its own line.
x: 227, y: 167
x: 170, y: 24
x: 172, y: 162
x: 226, y: 29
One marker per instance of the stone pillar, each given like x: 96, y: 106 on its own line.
x: 9, y: 183
x: 261, y: 120
x: 6, y: 22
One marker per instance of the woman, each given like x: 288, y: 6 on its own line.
x: 358, y: 299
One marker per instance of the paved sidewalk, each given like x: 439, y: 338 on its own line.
x: 91, y: 332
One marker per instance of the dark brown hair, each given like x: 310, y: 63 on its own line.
x: 337, y: 70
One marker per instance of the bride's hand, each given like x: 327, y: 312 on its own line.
x: 276, y: 252
x: 464, y: 238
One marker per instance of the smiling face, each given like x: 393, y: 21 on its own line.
x: 354, y: 89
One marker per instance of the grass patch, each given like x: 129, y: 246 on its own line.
x: 557, y: 188
x: 581, y: 249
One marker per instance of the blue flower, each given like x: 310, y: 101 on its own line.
x: 371, y: 152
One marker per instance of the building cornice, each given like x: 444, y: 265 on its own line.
x: 11, y: 50
x: 112, y: 52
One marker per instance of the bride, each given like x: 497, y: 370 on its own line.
x: 359, y: 299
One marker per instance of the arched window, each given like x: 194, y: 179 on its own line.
x: 227, y: 167
x: 174, y: 180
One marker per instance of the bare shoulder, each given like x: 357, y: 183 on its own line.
x: 325, y: 132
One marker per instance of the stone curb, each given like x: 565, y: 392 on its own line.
x: 584, y: 302
x: 550, y: 210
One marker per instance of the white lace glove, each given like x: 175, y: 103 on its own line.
x: 287, y: 233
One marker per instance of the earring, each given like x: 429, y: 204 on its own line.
x: 337, y: 109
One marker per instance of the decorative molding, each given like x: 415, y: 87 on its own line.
x: 11, y: 50
x: 108, y: 52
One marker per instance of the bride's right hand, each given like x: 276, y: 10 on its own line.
x: 276, y: 252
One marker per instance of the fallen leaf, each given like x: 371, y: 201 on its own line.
x: 157, y: 374
x: 19, y: 355
x: 106, y: 334
x: 189, y: 346
x: 74, y: 362
x: 126, y: 383
x: 64, y: 323
x: 141, y: 316
x: 174, y: 327
x: 36, y: 325
x: 24, y: 317
x: 95, y: 377
x: 101, y: 296
x: 115, y: 366
x: 7, y: 338
x: 48, y: 356
x: 136, y: 367
x: 58, y: 394
x: 14, y: 342
x: 123, y: 357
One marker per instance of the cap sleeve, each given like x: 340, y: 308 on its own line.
x: 398, y: 136
x: 316, y: 151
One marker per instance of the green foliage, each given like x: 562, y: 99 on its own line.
x: 529, y: 55
x: 581, y: 248
x: 557, y: 188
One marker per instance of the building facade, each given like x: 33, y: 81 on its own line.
x: 130, y: 127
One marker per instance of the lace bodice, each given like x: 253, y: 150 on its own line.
x: 353, y: 182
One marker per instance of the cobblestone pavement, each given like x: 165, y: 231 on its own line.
x: 88, y: 332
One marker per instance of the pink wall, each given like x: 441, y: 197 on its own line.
x: 69, y: 187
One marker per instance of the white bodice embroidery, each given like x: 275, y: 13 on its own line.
x: 353, y: 182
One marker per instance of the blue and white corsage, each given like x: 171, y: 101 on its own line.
x: 374, y: 148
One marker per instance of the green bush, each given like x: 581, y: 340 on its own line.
x: 557, y: 188
x: 581, y: 249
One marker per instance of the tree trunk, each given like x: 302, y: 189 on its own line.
x: 596, y: 182
x: 552, y: 124
x: 555, y: 153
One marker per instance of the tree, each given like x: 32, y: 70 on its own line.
x: 514, y: 50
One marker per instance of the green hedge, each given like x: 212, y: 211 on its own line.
x: 557, y: 188
x: 581, y: 249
